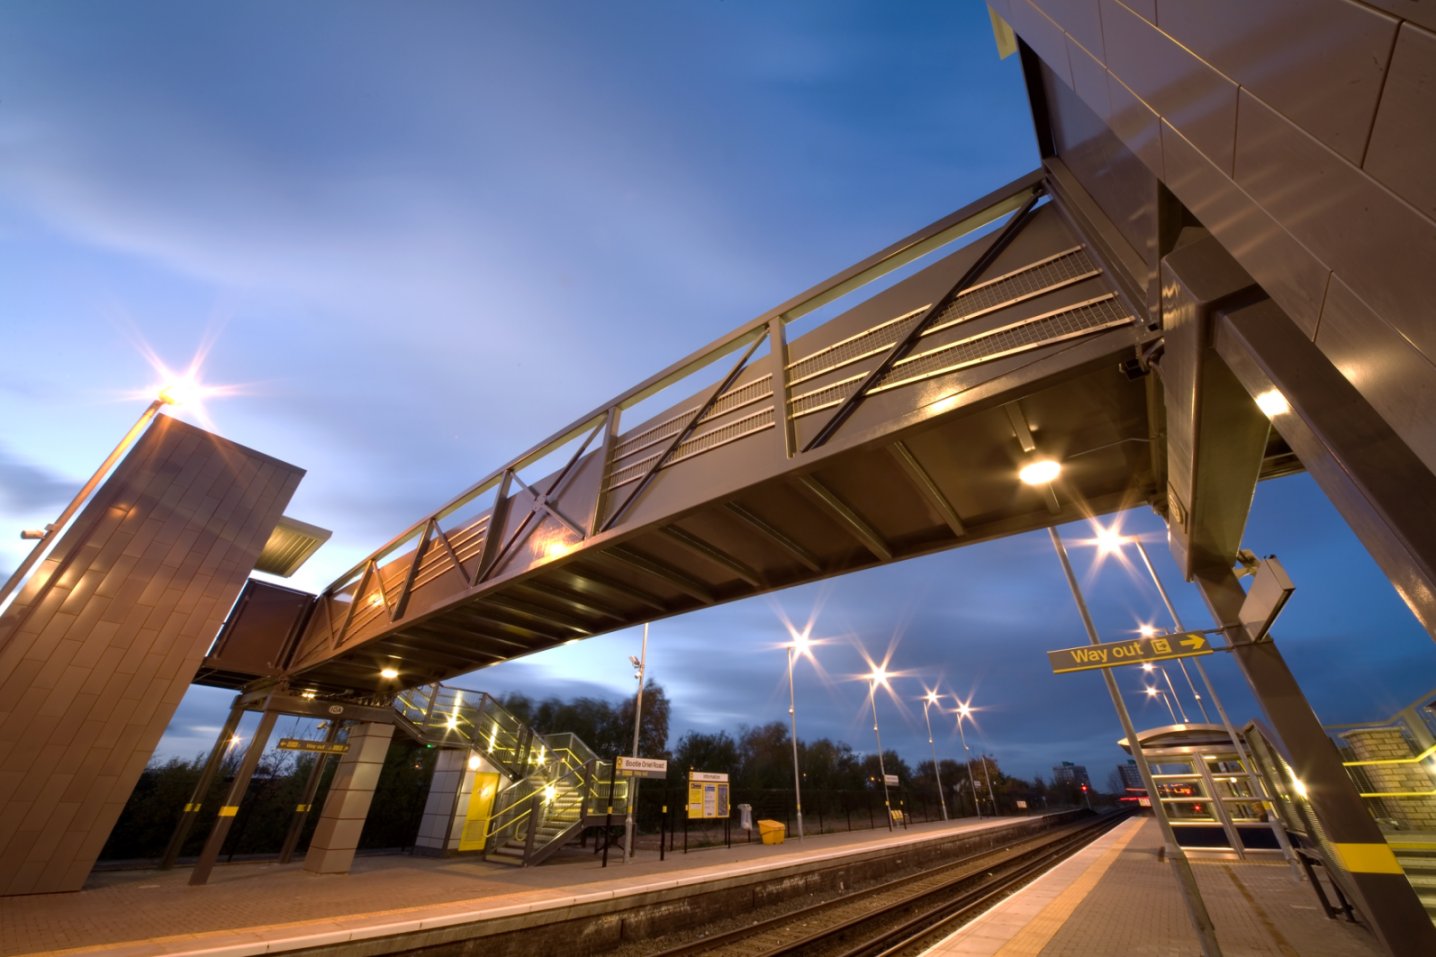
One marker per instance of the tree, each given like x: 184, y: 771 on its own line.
x: 765, y: 756
x: 697, y: 751
x: 653, y: 736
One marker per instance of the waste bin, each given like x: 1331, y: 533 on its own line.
x: 772, y: 832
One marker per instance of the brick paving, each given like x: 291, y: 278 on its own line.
x: 255, y: 908
x: 1115, y: 897
x: 1118, y: 897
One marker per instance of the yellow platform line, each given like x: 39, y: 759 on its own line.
x: 1029, y: 941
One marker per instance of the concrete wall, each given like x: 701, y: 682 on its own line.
x: 100, y: 644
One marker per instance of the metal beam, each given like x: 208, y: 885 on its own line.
x: 714, y: 554
x: 926, y: 487
x: 612, y: 589
x: 1372, y: 875
x: 774, y: 535
x: 662, y: 571
x: 1380, y: 487
x: 906, y: 343
x: 683, y: 433
x: 851, y: 521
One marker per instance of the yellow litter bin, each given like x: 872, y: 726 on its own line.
x: 772, y: 832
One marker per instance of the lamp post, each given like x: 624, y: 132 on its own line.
x: 800, y: 644
x: 963, y: 710
x: 928, y: 701
x: 1186, y: 880
x: 879, y: 674
x: 1155, y: 692
x: 640, y: 666
x: 1150, y: 668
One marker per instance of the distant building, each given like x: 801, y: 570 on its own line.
x: 1131, y: 776
x: 1069, y: 773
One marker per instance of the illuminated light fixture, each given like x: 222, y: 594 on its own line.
x: 1109, y: 540
x: 1299, y: 785
x: 452, y: 722
x: 475, y: 762
x: 931, y: 698
x: 375, y: 600
x: 1272, y: 403
x: 1040, y: 472
x: 388, y: 674
x: 1146, y: 631
x: 182, y: 391
x: 879, y: 676
x: 309, y: 693
x: 1151, y: 692
x: 1148, y: 666
x: 549, y: 793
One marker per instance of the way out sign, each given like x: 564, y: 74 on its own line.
x: 1131, y: 652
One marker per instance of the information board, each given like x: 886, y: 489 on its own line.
x: 707, y: 795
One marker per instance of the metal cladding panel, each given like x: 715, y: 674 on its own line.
x: 155, y: 561
x: 1189, y: 93
x: 259, y: 630
x: 1380, y: 246
x: 1109, y: 167
x: 1286, y: 269
x: 1321, y: 63
x: 1402, y: 153
x: 1383, y: 366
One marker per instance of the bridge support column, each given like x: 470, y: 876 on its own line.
x: 442, y: 822
x: 331, y: 851
x: 1363, y: 862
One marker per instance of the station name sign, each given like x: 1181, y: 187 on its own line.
x: 643, y: 767
x: 323, y: 747
x: 1134, y: 651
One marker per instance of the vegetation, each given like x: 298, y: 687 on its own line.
x: 841, y: 788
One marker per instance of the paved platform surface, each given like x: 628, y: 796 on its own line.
x: 1117, y: 897
x: 269, y: 908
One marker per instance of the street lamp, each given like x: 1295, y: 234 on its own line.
x: 1155, y: 692
x: 876, y: 676
x: 963, y: 710
x: 1150, y: 668
x: 640, y: 666
x: 801, y: 645
x: 1110, y: 542
x: 928, y: 701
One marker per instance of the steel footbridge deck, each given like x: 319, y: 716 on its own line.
x: 893, y: 429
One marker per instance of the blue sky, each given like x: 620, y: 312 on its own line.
x: 417, y: 238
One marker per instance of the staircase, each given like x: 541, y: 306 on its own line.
x: 560, y: 822
x: 556, y: 780
x: 1419, y: 863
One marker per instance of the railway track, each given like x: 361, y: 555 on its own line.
x: 903, y: 915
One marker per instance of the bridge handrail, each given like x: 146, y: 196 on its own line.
x: 949, y: 229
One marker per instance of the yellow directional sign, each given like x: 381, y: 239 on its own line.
x: 1131, y: 652
x: 323, y: 747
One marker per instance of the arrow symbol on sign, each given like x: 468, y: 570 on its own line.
x: 1195, y: 642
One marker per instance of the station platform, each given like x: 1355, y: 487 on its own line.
x: 1118, y: 896
x: 1115, y: 897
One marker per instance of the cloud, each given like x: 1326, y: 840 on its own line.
x: 25, y: 487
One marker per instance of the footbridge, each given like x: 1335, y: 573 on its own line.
x: 1220, y: 272
x: 894, y: 428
